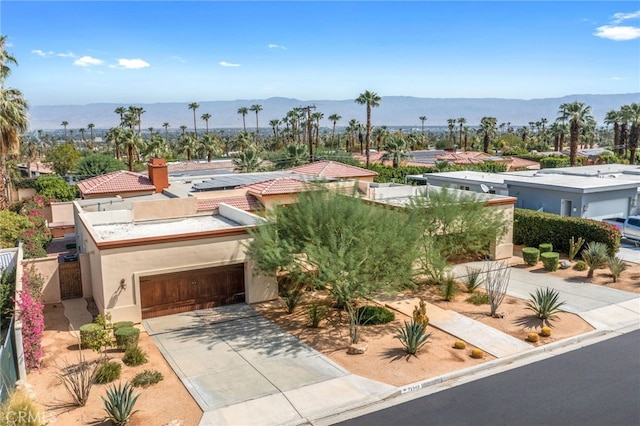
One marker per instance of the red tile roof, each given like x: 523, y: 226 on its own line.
x: 285, y: 185
x: 332, y: 169
x: 243, y: 202
x: 114, y: 183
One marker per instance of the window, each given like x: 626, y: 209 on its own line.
x: 464, y: 188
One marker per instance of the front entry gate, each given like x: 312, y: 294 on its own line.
x: 70, y: 280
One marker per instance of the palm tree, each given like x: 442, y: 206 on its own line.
x: 316, y: 117
x: 206, y: 117
x: 422, y: 119
x: 115, y: 136
x: 461, y: 122
x: 13, y: 120
x: 157, y: 147
x: 135, y: 116
x: 184, y: 129
x: 211, y: 146
x: 121, y: 111
x: 488, y: 130
x: 632, y: 113
x: 82, y: 133
x: 248, y: 160
x: 244, y: 111
x: 256, y: 108
x: 274, y: 126
x: 189, y: 145
x: 334, y: 119
x: 132, y: 141
x: 296, y: 155
x: 451, y: 123
x: 166, y: 130
x: 613, y: 117
x: 65, y: 124
x: 91, y: 126
x: 396, y: 148
x: 194, y: 106
x: 576, y: 113
x: 371, y: 100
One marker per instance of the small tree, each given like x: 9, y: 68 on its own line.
x: 63, y: 158
x: 56, y: 188
x: 496, y: 283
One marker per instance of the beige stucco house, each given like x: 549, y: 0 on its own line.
x: 164, y: 256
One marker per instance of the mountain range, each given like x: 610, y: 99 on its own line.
x: 393, y: 111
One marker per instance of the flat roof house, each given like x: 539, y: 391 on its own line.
x: 157, y: 257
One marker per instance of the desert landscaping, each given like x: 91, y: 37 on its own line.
x: 168, y: 402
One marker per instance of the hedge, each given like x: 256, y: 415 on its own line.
x: 532, y: 228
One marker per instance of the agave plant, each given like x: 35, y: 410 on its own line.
x: 616, y: 266
x: 119, y: 403
x: 544, y: 303
x: 413, y: 336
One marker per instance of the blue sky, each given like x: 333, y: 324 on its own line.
x: 134, y: 52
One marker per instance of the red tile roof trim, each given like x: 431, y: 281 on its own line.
x: 121, y: 181
x: 332, y: 169
x: 242, y: 202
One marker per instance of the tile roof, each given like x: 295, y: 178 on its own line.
x: 332, y: 169
x: 197, y: 166
x: 243, y: 202
x: 118, y: 182
x: 285, y: 185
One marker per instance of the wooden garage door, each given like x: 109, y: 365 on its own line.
x: 189, y: 290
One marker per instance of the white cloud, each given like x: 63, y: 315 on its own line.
x: 227, y: 64
x: 41, y: 53
x: 66, y: 55
x: 177, y: 58
x: 276, y: 46
x: 87, y: 61
x: 615, y: 78
x: 133, y: 64
x: 619, y: 17
x: 617, y: 33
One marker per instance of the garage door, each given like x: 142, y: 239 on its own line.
x: 611, y: 208
x: 189, y: 290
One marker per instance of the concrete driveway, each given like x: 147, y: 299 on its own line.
x: 242, y: 369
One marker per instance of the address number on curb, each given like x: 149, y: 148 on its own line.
x: 411, y: 388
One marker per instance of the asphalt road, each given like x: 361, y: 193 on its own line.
x: 597, y: 385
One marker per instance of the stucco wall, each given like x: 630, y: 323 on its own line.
x: 62, y: 212
x: 164, y: 209
x: 48, y: 268
x: 503, y: 248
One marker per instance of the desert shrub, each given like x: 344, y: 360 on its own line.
x: 574, y: 247
x: 147, y: 378
x: 107, y: 372
x: 77, y: 379
x: 448, y: 288
x: 545, y: 331
x: 545, y: 247
x: 532, y: 337
x: 122, y: 324
x: 616, y: 266
x: 316, y: 312
x: 21, y: 408
x: 291, y: 292
x: 373, y: 315
x: 93, y: 336
x: 478, y: 298
x: 595, y: 256
x: 496, y: 284
x: 459, y: 344
x: 580, y: 265
x: 530, y: 255
x: 126, y: 337
x: 477, y: 353
x: 545, y: 303
x: 134, y: 356
x: 119, y: 403
x: 550, y: 260
x: 413, y: 336
x: 531, y: 228
x: 473, y: 279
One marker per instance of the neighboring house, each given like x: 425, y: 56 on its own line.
x: 166, y: 256
x: 34, y: 169
x: 333, y: 170
x: 594, y: 192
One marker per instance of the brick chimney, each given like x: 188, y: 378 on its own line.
x: 159, y: 173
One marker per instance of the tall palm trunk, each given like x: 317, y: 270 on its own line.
x: 574, y: 136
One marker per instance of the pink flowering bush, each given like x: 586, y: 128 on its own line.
x: 37, y: 235
x: 30, y: 312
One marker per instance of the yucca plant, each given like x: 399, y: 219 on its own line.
x: 544, y: 303
x: 595, y: 256
x: 119, y: 403
x: 473, y: 280
x: 413, y: 336
x: 616, y: 266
